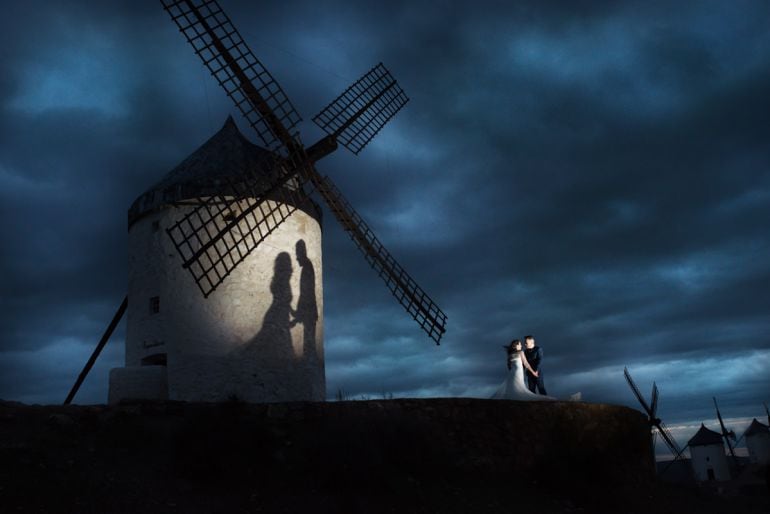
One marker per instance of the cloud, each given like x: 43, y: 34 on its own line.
x: 47, y: 374
x: 594, y: 173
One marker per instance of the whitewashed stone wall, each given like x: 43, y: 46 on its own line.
x: 709, y: 457
x: 258, y: 337
x: 759, y: 448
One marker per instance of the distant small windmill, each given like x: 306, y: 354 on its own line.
x: 655, y: 421
x: 757, y: 437
x: 727, y: 435
x: 227, y: 221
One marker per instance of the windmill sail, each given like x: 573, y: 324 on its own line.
x: 654, y: 401
x: 411, y: 296
x: 356, y: 116
x: 636, y: 392
x: 251, y: 87
x: 223, y: 229
x: 665, y: 434
x: 726, y: 434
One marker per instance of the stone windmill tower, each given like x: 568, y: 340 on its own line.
x: 707, y: 451
x: 225, y: 295
x: 259, y: 335
x: 758, y: 442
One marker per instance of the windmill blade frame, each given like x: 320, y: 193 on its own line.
x: 654, y: 421
x: 211, y: 239
x: 675, y: 459
x: 726, y: 433
x: 637, y: 393
x: 668, y: 438
x: 719, y: 417
x: 403, y: 287
x: 223, y: 51
x: 654, y: 401
x: 360, y: 112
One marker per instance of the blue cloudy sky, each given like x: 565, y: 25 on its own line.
x: 594, y: 173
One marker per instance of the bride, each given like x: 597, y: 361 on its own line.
x: 513, y: 388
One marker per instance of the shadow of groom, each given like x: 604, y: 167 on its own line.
x: 307, y: 307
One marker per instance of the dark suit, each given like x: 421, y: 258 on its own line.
x: 535, y: 358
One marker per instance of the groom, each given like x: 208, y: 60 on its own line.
x: 534, y: 356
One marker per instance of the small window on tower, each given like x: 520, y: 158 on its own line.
x: 155, y: 305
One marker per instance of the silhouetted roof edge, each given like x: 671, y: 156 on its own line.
x: 705, y: 437
x: 205, y: 172
x: 756, y: 428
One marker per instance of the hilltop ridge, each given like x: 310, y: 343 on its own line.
x: 410, y: 455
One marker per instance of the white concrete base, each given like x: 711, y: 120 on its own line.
x: 138, y: 383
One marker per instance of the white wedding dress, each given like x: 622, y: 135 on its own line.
x: 514, y: 388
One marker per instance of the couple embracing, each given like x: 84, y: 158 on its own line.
x: 529, y: 358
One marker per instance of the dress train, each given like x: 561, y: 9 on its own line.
x: 513, y: 388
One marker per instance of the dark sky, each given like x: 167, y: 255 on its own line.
x: 597, y: 174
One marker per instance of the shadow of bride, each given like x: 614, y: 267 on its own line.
x: 272, y: 346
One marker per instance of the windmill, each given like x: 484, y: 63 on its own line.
x: 727, y: 435
x: 655, y: 421
x: 224, y: 225
x: 738, y: 441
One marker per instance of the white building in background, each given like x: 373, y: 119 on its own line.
x: 708, y: 458
x: 258, y: 336
x: 758, y: 442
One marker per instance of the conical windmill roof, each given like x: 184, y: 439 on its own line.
x: 756, y: 428
x: 205, y: 172
x: 705, y: 437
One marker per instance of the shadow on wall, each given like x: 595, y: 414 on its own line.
x: 307, y: 308
x: 272, y: 346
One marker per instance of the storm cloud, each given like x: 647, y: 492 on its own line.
x: 597, y: 174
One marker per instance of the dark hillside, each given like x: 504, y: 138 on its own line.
x: 438, y: 455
